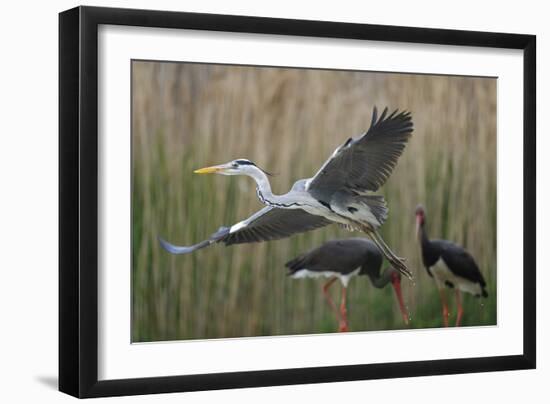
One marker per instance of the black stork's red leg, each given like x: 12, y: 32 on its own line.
x: 396, y: 283
x: 459, y: 309
x: 343, y: 311
x: 445, y: 307
x: 330, y: 302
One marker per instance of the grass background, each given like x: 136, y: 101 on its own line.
x: 186, y: 116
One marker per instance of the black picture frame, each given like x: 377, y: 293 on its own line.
x: 78, y: 200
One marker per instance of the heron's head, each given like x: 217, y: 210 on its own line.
x: 420, y: 219
x: 234, y: 167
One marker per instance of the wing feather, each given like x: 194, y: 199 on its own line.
x: 272, y: 224
x: 267, y: 224
x: 364, y: 164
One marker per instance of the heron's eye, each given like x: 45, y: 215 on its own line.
x: 234, y: 165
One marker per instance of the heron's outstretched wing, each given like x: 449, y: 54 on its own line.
x: 271, y: 224
x: 267, y: 224
x: 176, y: 249
x: 364, y: 164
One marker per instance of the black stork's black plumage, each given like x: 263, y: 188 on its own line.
x: 455, y: 268
x: 343, y: 259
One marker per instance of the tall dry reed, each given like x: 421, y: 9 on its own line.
x: 288, y: 121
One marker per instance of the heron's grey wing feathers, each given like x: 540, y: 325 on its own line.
x: 266, y: 224
x: 273, y: 223
x: 175, y: 249
x: 364, y: 164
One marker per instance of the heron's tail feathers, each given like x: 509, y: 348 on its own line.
x: 377, y: 205
x: 363, y: 208
x: 397, y: 262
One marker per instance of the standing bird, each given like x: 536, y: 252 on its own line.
x: 458, y: 269
x: 344, y: 259
x: 338, y: 193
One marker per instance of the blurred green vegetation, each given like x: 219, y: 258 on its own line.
x: 288, y: 121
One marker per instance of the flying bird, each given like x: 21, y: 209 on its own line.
x: 340, y: 192
x: 451, y: 266
x: 344, y: 259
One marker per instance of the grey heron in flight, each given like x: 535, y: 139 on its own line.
x: 340, y: 192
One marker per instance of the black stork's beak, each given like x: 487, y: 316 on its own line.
x: 418, y: 225
x: 396, y: 283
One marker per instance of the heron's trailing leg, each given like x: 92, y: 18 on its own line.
x: 395, y: 261
x: 445, y: 307
x: 330, y: 302
x: 459, y: 309
x: 343, y: 311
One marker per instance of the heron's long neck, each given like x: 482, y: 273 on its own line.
x: 263, y: 188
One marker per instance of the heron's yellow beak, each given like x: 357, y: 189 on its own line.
x: 209, y: 170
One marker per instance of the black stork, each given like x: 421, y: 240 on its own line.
x: 451, y: 266
x: 344, y: 259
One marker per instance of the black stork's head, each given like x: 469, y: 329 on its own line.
x: 420, y: 219
x: 392, y: 276
x: 234, y: 167
x: 372, y: 265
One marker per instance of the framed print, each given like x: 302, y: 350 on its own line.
x: 251, y: 201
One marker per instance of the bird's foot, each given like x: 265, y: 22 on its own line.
x: 405, y: 319
x: 446, y: 318
x: 343, y: 327
x: 399, y: 264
